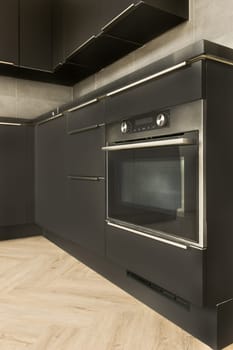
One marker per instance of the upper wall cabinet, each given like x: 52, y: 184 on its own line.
x: 36, y: 34
x: 9, y: 43
x: 84, y: 19
x: 98, y: 33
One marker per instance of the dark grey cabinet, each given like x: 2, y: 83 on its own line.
x: 83, y: 153
x: 88, y: 117
x: 84, y: 19
x: 85, y: 168
x: 50, y: 176
x: 57, y: 34
x: 16, y: 175
x: 9, y: 48
x: 36, y: 34
x: 86, y: 213
x: 175, y: 88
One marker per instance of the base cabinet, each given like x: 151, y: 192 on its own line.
x: 86, y: 213
x: 16, y: 179
x: 50, y: 176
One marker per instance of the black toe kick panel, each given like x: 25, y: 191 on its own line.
x: 177, y: 271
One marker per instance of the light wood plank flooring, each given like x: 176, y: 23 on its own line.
x: 50, y: 301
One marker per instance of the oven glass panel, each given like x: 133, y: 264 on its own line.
x: 155, y: 190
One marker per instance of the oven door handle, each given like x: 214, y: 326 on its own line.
x: 159, y: 143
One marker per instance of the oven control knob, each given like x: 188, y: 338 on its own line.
x: 125, y: 127
x: 161, y: 120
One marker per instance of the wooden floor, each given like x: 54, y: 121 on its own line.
x: 50, y: 301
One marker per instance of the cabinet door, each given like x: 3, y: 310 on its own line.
x: 9, y: 12
x: 170, y: 90
x: 83, y: 19
x: 36, y: 34
x: 83, y: 153
x: 50, y: 176
x: 86, y: 117
x: 16, y: 175
x: 86, y: 213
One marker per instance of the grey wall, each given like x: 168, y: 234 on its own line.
x: 209, y: 19
x: 29, y: 99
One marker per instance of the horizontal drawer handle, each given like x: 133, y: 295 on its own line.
x: 156, y: 238
x: 151, y: 77
x: 50, y: 118
x: 85, y: 178
x: 160, y: 143
x: 92, y: 127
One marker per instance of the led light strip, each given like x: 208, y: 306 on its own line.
x: 11, y: 124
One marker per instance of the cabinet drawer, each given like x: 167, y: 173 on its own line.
x: 83, y: 152
x: 177, y: 270
x: 86, y: 213
x: 88, y: 116
x: 178, y: 87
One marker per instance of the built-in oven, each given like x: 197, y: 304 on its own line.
x: 155, y: 175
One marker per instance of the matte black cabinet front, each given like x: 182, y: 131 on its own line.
x: 86, y: 213
x: 36, y: 34
x: 16, y: 175
x: 83, y: 19
x: 50, y: 176
x: 83, y: 153
x: 9, y: 48
x: 178, y: 87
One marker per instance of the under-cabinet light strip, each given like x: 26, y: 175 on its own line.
x: 144, y: 80
x: 10, y: 124
x: 156, y: 238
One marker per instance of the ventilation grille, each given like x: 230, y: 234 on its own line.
x: 165, y: 293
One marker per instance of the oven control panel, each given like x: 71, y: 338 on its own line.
x: 146, y: 122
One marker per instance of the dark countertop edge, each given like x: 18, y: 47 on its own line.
x: 193, y: 50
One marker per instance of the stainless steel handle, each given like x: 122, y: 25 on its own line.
x: 82, y: 105
x: 156, y: 238
x: 117, y: 17
x: 50, y: 118
x: 149, y: 78
x: 86, y: 178
x: 160, y: 143
x: 88, y: 128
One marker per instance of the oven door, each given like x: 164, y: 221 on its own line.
x: 153, y: 188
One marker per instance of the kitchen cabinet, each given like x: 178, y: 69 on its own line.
x: 16, y: 176
x: 97, y: 34
x: 9, y: 22
x: 84, y: 19
x: 86, y: 213
x: 36, y: 34
x: 90, y: 115
x: 83, y: 152
x: 85, y: 166
x: 173, y: 89
x: 50, y: 176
